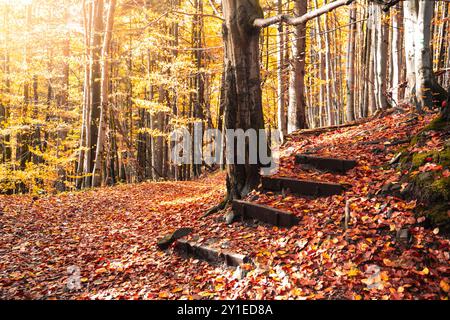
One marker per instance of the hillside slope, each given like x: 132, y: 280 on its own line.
x: 109, y: 234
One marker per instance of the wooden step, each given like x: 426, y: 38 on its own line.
x: 326, y: 164
x: 266, y: 214
x: 166, y: 242
x: 302, y: 187
x: 210, y: 254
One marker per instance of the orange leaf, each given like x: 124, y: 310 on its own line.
x: 444, y: 286
x: 101, y: 270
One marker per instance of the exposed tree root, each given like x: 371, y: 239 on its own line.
x: 219, y: 207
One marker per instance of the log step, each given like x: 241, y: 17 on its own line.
x: 302, y: 187
x: 166, y: 242
x: 326, y: 164
x: 210, y: 254
x: 272, y: 216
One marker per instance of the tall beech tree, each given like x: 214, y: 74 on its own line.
x: 423, y: 88
x: 242, y: 86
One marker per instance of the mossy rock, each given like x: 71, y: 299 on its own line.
x: 442, y: 188
x: 437, y: 124
x: 430, y: 188
x: 438, y: 216
x: 415, y: 160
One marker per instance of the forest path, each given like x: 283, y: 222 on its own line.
x: 110, y: 235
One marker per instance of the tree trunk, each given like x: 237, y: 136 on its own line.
x: 4, y: 117
x: 381, y: 59
x: 243, y: 105
x: 281, y: 85
x: 85, y: 128
x: 297, y: 105
x: 103, y: 125
x: 422, y: 85
x: 350, y: 111
x: 95, y: 91
x: 427, y: 87
x: 410, y: 16
x: 332, y: 107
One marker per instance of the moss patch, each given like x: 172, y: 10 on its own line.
x: 437, y: 124
x: 430, y: 188
x: 439, y: 216
x: 442, y: 188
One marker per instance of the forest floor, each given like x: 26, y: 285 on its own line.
x: 110, y: 234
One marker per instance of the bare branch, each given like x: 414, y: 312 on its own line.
x: 264, y: 23
x: 318, y: 12
x: 294, y: 21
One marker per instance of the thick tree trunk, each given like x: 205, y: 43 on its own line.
x: 243, y: 105
x: 427, y: 88
x: 423, y: 88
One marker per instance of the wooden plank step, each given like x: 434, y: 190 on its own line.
x: 166, y: 241
x: 327, y: 164
x: 210, y: 254
x: 302, y: 187
x: 266, y: 214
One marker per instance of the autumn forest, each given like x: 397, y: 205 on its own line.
x: 108, y: 109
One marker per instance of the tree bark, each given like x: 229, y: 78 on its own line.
x: 427, y: 87
x: 297, y: 105
x: 103, y: 125
x: 350, y: 110
x: 243, y: 105
x: 381, y: 60
x: 281, y: 85
x: 423, y: 88
x: 395, y: 53
x: 95, y: 90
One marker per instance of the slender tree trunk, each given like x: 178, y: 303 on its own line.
x: 381, y: 60
x: 297, y: 105
x: 103, y: 125
x: 410, y: 17
x: 281, y: 85
x: 83, y: 156
x: 350, y: 114
x: 328, y: 95
x: 395, y: 54
x: 95, y: 91
x: 5, y: 109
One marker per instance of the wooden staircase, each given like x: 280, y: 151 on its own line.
x: 326, y: 164
x: 269, y: 215
x: 266, y: 214
x: 210, y: 254
x: 302, y: 187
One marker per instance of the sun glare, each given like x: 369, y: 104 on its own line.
x: 16, y: 3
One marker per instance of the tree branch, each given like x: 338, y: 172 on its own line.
x: 294, y: 21
x: 264, y: 23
